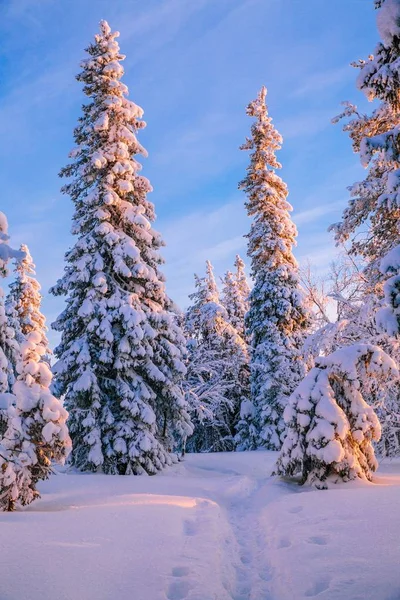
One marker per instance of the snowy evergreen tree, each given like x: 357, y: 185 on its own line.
x: 277, y: 318
x: 370, y: 223
x: 330, y: 426
x: 217, y: 376
x: 23, y: 303
x: 366, y: 210
x: 9, y: 347
x: 379, y: 79
x: 121, y: 356
x: 235, y: 296
x: 356, y: 308
x: 6, y: 253
x: 32, y: 422
x: 37, y: 432
x: 236, y: 292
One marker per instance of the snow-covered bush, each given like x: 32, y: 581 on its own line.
x: 330, y: 427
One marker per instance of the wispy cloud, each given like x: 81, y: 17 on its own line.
x: 215, y: 234
x: 318, y: 250
x: 306, y: 124
x: 157, y: 26
x: 321, y: 82
x: 305, y: 217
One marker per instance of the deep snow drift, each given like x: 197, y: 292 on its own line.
x: 215, y: 527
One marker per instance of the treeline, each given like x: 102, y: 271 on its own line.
x: 242, y: 369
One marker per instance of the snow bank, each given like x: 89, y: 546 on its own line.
x: 216, y: 527
x: 341, y: 544
x: 114, y: 537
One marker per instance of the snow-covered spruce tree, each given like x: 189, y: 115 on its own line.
x: 217, y: 374
x: 367, y: 213
x: 34, y: 431
x: 277, y: 318
x: 235, y: 296
x: 330, y: 426
x: 23, y: 302
x: 37, y: 432
x: 236, y: 292
x: 121, y: 356
x: 356, y: 308
x: 370, y: 223
x: 379, y: 79
x: 9, y: 347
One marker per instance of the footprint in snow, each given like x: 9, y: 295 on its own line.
x: 319, y: 540
x: 284, y: 543
x: 178, y: 590
x: 320, y: 586
x: 190, y: 528
x: 180, y: 571
x: 243, y: 593
x: 266, y: 575
x: 295, y: 509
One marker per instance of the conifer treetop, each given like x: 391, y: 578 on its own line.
x: 273, y: 234
x: 24, y: 299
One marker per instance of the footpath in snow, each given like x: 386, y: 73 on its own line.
x: 216, y: 527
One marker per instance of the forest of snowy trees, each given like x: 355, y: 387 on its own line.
x: 270, y: 359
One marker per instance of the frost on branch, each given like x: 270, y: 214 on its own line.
x: 330, y: 426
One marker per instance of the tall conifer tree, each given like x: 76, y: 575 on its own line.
x: 121, y: 356
x: 277, y: 318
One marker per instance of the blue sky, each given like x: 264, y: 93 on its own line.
x: 193, y: 65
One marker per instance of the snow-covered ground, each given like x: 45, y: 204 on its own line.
x: 216, y: 527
